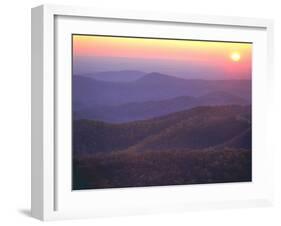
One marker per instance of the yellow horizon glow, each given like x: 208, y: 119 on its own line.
x: 86, y: 45
x: 230, y: 57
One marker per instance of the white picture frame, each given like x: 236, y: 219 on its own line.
x: 52, y: 199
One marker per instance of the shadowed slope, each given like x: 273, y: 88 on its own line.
x: 197, y: 128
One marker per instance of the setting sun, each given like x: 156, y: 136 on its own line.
x: 235, y: 56
x: 232, y: 59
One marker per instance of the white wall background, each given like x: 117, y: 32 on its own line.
x: 15, y: 112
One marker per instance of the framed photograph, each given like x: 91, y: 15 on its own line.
x: 137, y: 112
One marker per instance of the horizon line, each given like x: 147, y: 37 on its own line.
x: 88, y: 75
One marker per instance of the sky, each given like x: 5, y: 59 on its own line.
x: 190, y: 59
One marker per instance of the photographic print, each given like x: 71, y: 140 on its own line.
x: 158, y: 112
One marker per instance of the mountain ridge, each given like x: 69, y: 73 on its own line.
x: 90, y: 92
x: 149, y: 109
x: 116, y: 76
x: 197, y: 128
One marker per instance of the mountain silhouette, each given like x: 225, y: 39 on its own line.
x: 149, y: 109
x: 88, y: 92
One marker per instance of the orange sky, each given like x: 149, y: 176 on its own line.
x: 215, y: 54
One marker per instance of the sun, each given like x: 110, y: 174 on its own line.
x: 235, y: 56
